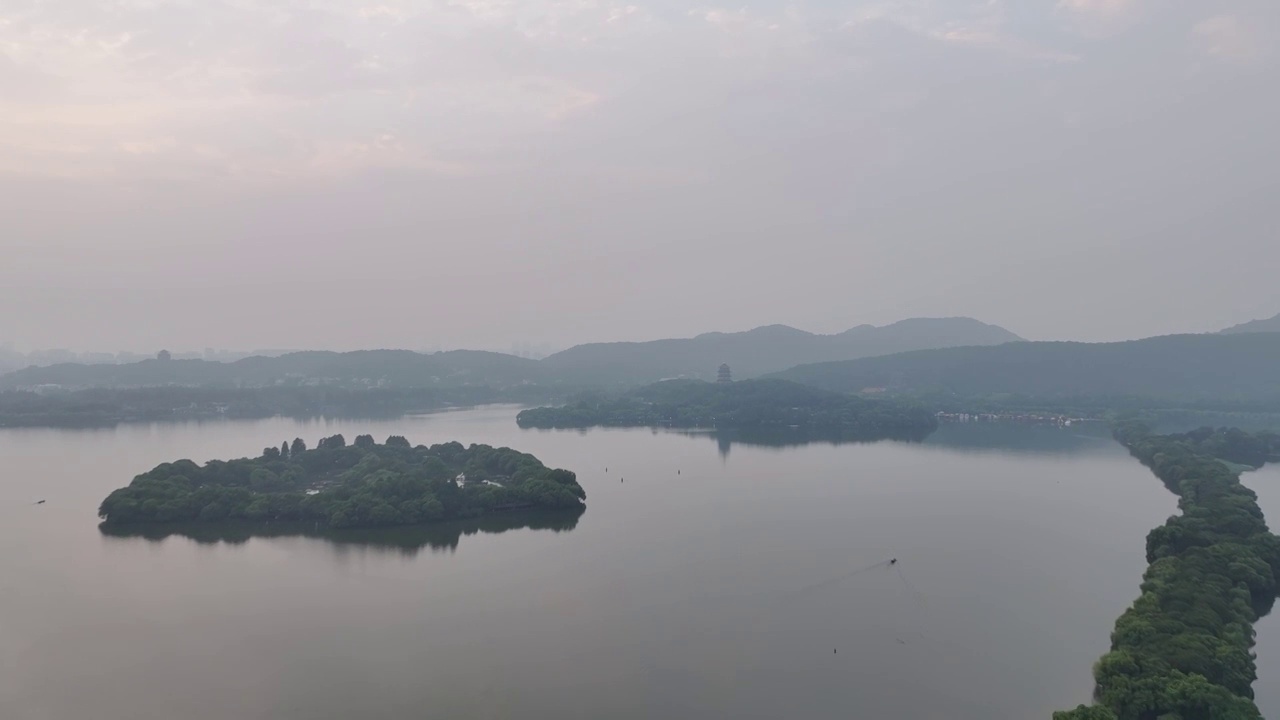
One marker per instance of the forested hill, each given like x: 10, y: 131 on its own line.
x: 1211, y: 370
x: 393, y: 368
x: 763, y: 350
x: 1271, y: 324
x: 743, y: 405
x: 750, y: 353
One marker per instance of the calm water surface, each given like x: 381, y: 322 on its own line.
x: 1266, y: 482
x: 719, y: 580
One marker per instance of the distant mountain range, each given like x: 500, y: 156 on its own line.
x: 1225, y: 370
x: 1270, y: 325
x: 364, y: 368
x: 762, y: 350
x: 751, y: 353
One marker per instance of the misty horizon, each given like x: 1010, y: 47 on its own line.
x: 528, y: 349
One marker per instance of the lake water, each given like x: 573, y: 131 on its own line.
x: 1266, y: 482
x: 721, y: 579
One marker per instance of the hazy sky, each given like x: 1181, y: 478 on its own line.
x: 411, y: 173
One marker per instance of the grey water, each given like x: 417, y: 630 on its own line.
x: 1266, y: 483
x: 721, y: 579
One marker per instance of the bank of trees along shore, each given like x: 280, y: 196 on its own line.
x: 109, y: 406
x: 744, y: 405
x: 338, y: 485
x: 1183, y: 651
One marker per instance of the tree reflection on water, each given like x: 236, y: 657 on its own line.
x: 408, y: 540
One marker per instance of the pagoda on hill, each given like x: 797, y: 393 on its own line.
x: 724, y: 375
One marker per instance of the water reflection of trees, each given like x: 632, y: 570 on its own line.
x: 407, y: 540
x: 1024, y: 438
x: 963, y: 437
x: 788, y: 437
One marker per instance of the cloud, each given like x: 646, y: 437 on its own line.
x: 641, y: 156
x: 492, y: 10
x: 1229, y: 39
x: 22, y: 83
x: 736, y: 20
x: 619, y: 14
x: 388, y: 12
x: 282, y: 89
x: 385, y: 151
x: 1101, y: 8
x: 981, y: 25
x: 1101, y: 17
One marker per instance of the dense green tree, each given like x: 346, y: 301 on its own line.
x: 1233, y: 445
x: 338, y: 486
x: 1085, y: 712
x: 284, y: 449
x: 298, y: 447
x: 264, y: 480
x: 744, y: 405
x: 1184, y: 649
x: 334, y: 442
x: 364, y: 441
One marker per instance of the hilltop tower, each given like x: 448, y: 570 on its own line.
x: 724, y: 375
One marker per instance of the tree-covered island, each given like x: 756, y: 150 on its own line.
x: 337, y: 485
x: 1184, y: 650
x: 744, y: 405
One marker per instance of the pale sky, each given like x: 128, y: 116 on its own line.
x: 413, y: 173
